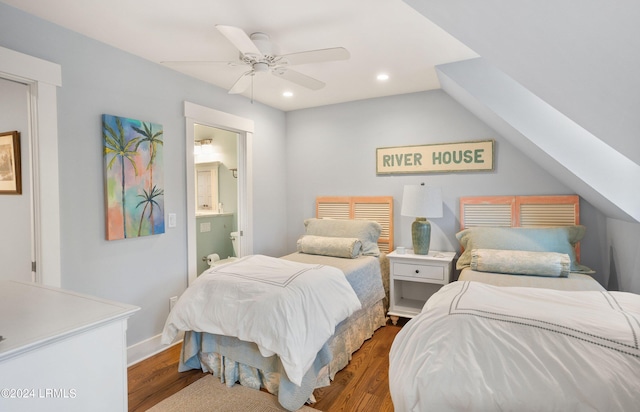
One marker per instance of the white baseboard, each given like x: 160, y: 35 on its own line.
x: 147, y: 348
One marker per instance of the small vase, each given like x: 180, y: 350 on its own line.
x: 421, y: 236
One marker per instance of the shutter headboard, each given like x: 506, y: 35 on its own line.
x: 520, y: 211
x: 376, y: 208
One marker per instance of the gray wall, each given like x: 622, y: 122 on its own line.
x: 623, y: 242
x: 15, y: 220
x: 331, y: 151
x: 99, y: 79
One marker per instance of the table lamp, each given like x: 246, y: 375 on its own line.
x: 421, y: 202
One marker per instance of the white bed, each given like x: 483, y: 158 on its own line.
x: 525, y: 327
x: 281, y: 324
x: 478, y: 347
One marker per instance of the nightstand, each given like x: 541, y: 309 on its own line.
x: 414, y: 278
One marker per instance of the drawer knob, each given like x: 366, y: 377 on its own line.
x: 417, y: 271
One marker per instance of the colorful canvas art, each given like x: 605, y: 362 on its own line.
x: 134, y: 177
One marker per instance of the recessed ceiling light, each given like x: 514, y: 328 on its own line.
x: 383, y: 77
x: 287, y: 94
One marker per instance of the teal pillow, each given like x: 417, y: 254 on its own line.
x: 561, y: 239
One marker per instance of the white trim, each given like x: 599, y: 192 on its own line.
x: 196, y: 114
x: 212, y: 117
x: 149, y: 347
x: 245, y: 196
x: 23, y: 66
x: 43, y: 78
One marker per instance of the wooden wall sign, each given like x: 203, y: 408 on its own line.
x: 435, y: 158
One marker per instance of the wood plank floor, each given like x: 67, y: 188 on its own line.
x: 362, y: 386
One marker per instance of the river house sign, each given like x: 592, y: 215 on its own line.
x: 435, y: 158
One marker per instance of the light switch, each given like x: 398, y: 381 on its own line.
x: 172, y: 220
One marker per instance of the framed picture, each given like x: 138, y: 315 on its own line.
x: 10, y: 173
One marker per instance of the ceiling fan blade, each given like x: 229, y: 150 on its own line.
x: 317, y: 56
x: 242, y: 83
x: 201, y: 63
x: 299, y: 78
x: 239, y: 39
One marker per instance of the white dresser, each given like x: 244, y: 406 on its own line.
x: 61, y: 351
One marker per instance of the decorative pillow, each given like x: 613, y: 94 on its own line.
x: 561, y: 239
x: 521, y: 262
x: 367, y: 231
x: 344, y: 247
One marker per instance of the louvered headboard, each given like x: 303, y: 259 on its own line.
x: 520, y: 211
x: 376, y: 208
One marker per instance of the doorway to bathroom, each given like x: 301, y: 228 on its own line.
x: 224, y: 204
x: 216, y: 184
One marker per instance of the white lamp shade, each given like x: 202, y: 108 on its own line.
x: 421, y: 201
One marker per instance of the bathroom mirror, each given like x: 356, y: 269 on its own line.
x: 207, y: 189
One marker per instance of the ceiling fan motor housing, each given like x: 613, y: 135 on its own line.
x: 263, y: 43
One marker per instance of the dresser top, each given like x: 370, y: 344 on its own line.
x: 33, y: 315
x: 433, y: 255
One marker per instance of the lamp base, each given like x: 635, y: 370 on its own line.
x: 421, y: 236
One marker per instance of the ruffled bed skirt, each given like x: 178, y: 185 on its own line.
x: 349, y: 337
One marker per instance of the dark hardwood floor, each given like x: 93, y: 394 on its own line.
x: 157, y: 378
x: 362, y: 386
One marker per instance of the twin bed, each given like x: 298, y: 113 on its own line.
x: 525, y: 327
x: 289, y: 324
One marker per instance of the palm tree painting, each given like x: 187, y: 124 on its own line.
x: 133, y: 160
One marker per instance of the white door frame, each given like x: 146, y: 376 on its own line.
x: 196, y: 114
x: 42, y: 78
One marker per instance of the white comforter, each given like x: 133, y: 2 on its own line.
x: 287, y: 308
x: 486, y: 348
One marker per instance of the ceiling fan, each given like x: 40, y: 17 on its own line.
x: 257, y: 53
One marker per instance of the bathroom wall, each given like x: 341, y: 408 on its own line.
x: 213, y: 237
x: 227, y: 145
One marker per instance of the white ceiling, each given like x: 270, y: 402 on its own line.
x: 381, y: 35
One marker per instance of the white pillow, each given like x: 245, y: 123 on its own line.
x: 343, y: 247
x: 520, y: 262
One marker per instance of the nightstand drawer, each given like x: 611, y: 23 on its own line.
x: 419, y: 271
